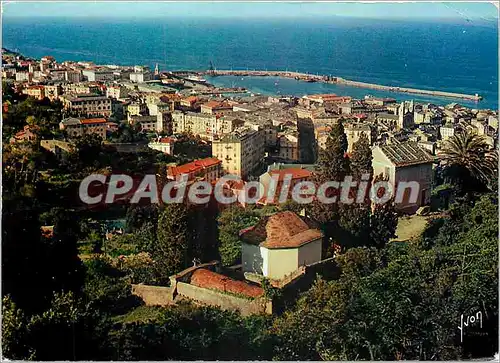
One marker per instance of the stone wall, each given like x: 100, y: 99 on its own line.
x: 224, y: 301
x: 154, y: 295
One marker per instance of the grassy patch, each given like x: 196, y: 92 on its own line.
x: 140, y: 314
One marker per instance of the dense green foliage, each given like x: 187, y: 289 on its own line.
x: 231, y: 221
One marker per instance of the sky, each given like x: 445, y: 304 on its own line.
x: 450, y: 10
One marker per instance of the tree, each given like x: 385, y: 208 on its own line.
x: 469, y: 161
x: 171, y: 252
x: 354, y: 219
x: 231, y: 221
x: 383, y: 221
x: 333, y: 165
x: 138, y: 215
x: 425, y: 290
x: 361, y: 158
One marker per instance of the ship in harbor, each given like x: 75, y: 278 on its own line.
x: 196, y: 79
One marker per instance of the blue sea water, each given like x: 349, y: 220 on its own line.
x: 461, y: 58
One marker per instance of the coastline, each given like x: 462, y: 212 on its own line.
x: 341, y: 81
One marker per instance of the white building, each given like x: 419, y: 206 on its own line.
x: 163, y: 144
x: 140, y: 77
x: 279, y: 245
x: 446, y: 131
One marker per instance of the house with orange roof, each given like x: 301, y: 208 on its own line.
x: 279, y: 245
x: 76, y: 127
x: 208, y: 169
x: 216, y: 107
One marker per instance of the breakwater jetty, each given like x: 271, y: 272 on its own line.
x: 338, y: 81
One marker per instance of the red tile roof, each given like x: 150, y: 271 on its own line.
x: 190, y: 99
x: 296, y: 173
x: 211, y: 280
x: 281, y: 230
x: 93, y: 121
x: 192, y: 167
x: 167, y: 140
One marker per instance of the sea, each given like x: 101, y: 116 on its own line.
x: 460, y: 57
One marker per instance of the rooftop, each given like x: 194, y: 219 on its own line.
x: 211, y: 280
x: 193, y: 166
x: 296, y: 173
x: 281, y: 230
x: 406, y: 154
x: 87, y: 121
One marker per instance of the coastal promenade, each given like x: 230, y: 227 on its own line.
x: 338, y: 81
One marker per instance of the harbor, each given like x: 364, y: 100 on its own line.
x: 331, y: 80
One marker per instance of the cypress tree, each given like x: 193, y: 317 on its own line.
x: 333, y: 165
x: 384, y: 221
x: 354, y: 219
x: 171, y: 252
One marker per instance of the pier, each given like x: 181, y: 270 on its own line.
x: 336, y: 80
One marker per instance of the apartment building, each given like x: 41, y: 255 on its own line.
x: 203, y: 124
x: 289, y: 148
x: 212, y: 107
x: 88, y: 105
x: 241, y: 151
x: 116, y: 92
x: 53, y: 92
x: 208, y: 169
x: 76, y: 127
x: 148, y: 123
x: 37, y: 92
x: 73, y: 76
x: 446, y: 131
x: 98, y: 75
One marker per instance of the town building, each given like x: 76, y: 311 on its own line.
x: 88, y: 105
x: 81, y: 88
x: 203, y: 124
x: 136, y: 109
x: 213, y: 107
x: 405, y: 162
x: 446, y: 131
x: 354, y: 132
x: 24, y: 76
x: 241, y: 151
x: 140, y: 77
x: 53, y: 92
x: 37, y: 92
x: 289, y: 147
x: 77, y: 127
x: 209, y: 169
x: 148, y: 123
x: 117, y: 92
x: 27, y: 134
x: 379, y: 101
x: 294, y: 174
x: 73, y: 76
x: 164, y: 123
x: 163, y: 144
x: 98, y: 75
x: 279, y: 245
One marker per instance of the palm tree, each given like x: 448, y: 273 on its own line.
x: 468, y: 159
